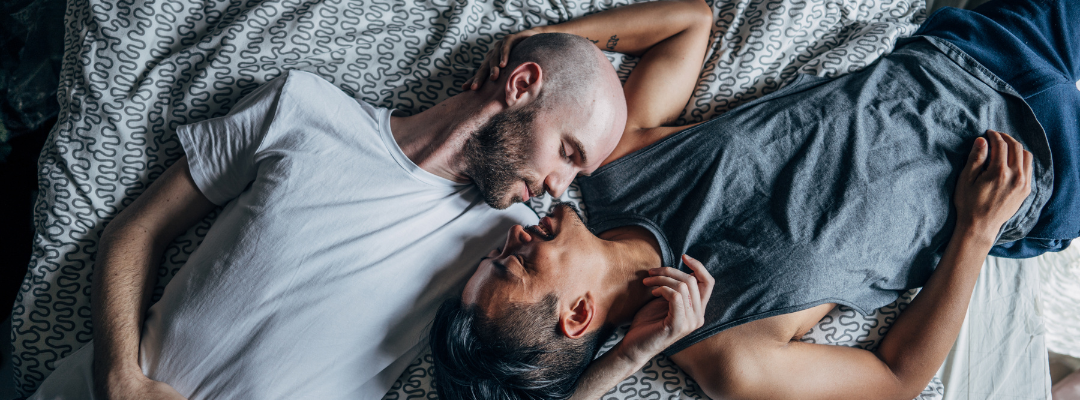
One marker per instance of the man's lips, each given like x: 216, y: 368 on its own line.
x: 526, y: 194
x: 547, y: 226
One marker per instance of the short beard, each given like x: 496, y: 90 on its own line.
x: 497, y: 154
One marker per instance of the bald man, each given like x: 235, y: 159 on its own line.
x: 343, y: 228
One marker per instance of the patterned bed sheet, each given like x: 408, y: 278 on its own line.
x: 135, y: 70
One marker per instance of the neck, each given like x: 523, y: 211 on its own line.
x: 435, y: 138
x: 633, y: 250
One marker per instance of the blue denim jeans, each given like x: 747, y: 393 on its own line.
x: 1034, y: 45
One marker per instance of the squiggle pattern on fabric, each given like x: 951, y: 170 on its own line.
x: 134, y: 70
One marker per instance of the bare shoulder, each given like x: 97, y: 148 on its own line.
x: 765, y: 360
x: 735, y: 359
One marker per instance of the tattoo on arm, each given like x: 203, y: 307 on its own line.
x: 612, y: 42
x: 593, y: 41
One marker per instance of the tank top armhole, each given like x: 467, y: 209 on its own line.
x: 603, y: 224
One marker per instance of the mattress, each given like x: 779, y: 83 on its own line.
x: 133, y: 71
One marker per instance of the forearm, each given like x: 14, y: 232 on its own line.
x: 124, y: 278
x: 126, y: 270
x: 633, y: 29
x: 923, y: 334
x: 603, y: 374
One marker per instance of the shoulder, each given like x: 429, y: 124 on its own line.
x: 315, y: 95
x: 740, y: 361
x: 308, y: 87
x: 300, y: 80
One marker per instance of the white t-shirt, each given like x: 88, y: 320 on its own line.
x: 322, y: 273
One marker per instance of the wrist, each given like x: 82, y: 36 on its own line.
x: 112, y: 379
x: 977, y: 232
x: 632, y: 360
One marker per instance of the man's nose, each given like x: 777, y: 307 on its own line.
x: 558, y: 182
x: 518, y: 236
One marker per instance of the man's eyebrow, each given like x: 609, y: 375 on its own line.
x: 579, y: 149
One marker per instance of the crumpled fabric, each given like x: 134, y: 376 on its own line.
x: 31, y: 47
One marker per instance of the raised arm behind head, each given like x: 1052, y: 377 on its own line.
x: 671, y: 37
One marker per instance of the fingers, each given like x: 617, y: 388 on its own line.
x: 680, y: 318
x: 1016, y: 175
x: 1016, y: 152
x: 999, y: 149
x: 673, y: 278
x: 683, y: 288
x: 481, y: 74
x: 504, y: 57
x: 489, y: 68
x: 494, y: 59
x: 1028, y: 161
x: 977, y: 158
x: 696, y: 288
x: 1015, y: 162
x: 703, y: 275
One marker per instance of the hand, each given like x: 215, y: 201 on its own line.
x: 496, y: 59
x: 993, y: 184
x: 156, y: 390
x: 678, y: 310
x: 138, y: 387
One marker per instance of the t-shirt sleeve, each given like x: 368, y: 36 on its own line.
x: 222, y: 151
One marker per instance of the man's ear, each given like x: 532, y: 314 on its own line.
x: 575, y: 320
x: 523, y: 84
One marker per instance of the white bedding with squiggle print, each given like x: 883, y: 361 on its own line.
x: 133, y: 71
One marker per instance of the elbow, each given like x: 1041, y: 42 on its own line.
x: 909, y: 388
x: 905, y: 386
x: 700, y: 15
x: 130, y: 234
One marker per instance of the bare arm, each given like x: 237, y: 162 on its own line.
x: 125, y: 274
x: 989, y: 191
x: 760, y: 359
x: 671, y: 37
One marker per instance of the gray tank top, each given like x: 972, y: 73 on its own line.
x: 827, y: 191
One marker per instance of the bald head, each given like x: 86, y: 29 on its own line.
x: 580, y: 87
x: 570, y: 63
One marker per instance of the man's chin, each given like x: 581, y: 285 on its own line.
x: 570, y: 209
x: 503, y: 202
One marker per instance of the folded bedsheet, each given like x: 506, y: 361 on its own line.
x: 135, y: 70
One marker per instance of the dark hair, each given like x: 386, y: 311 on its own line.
x: 519, y: 355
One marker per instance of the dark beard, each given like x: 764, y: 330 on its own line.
x: 496, y: 155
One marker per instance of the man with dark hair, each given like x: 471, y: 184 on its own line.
x: 535, y: 362
x: 829, y: 191
x: 522, y: 352
x: 343, y: 228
